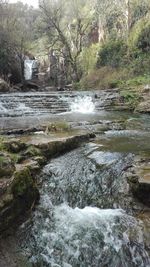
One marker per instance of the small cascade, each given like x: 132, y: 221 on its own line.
x: 83, y: 104
x: 41, y: 103
x: 79, y: 221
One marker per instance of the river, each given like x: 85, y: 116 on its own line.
x: 87, y: 215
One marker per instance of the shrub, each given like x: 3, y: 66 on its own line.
x: 104, y: 78
x: 88, y: 58
x: 143, y: 40
x: 112, y: 54
x: 139, y: 39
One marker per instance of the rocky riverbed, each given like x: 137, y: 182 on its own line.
x: 111, y: 150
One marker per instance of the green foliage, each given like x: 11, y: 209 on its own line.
x: 17, y: 22
x: 131, y: 98
x: 88, y: 58
x: 139, y: 10
x: 139, y: 38
x: 104, y: 78
x: 22, y: 183
x: 112, y: 54
x: 136, y: 81
x: 2, y: 146
x: 143, y: 40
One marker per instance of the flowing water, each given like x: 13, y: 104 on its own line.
x: 85, y: 213
x: 85, y: 217
x: 22, y: 110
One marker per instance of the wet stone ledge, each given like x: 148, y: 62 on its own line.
x: 19, y: 164
x: 139, y: 180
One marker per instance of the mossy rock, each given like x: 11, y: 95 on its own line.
x: 41, y: 160
x: 7, y: 166
x: 23, y: 182
x: 14, y: 146
x: 20, y: 197
x: 32, y: 151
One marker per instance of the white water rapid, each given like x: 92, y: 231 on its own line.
x: 69, y: 229
x: 83, y: 105
x: 89, y: 237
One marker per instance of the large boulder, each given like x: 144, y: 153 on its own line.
x: 4, y: 87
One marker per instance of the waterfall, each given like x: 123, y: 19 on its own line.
x: 28, y: 69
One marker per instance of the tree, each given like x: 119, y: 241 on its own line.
x: 67, y: 24
x: 16, y: 31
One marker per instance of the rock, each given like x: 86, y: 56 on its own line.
x: 133, y: 123
x: 14, y: 146
x: 20, y: 197
x: 144, y: 107
x: 53, y: 148
x: 68, y: 87
x: 4, y: 87
x: 20, y: 192
x: 22, y: 131
x: 147, y: 88
x: 7, y: 166
x: 23, y: 184
x: 32, y: 151
x: 42, y: 77
x: 139, y: 180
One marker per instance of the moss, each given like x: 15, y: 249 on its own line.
x: 14, y: 146
x: 22, y: 182
x: 6, y: 166
x: 16, y: 157
x: 32, y: 151
x: 20, y: 196
x: 2, y: 146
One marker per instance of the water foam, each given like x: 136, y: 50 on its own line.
x: 3, y: 110
x: 82, y: 104
x: 87, y: 237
